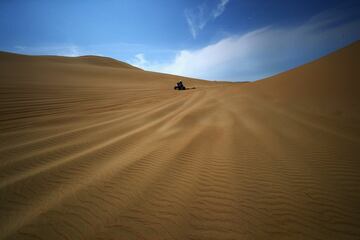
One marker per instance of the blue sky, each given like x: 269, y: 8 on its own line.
x: 236, y: 40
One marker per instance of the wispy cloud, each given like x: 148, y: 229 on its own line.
x: 139, y: 61
x: 197, y: 18
x: 220, y: 8
x: 265, y: 51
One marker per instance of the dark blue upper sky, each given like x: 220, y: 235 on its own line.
x: 213, y: 39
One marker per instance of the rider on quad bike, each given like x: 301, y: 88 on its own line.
x: 179, y: 86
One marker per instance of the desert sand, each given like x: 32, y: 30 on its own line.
x: 93, y: 148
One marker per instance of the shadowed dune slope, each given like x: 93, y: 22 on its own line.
x: 329, y: 81
x: 92, y: 148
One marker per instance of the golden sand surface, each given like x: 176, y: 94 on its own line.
x: 92, y: 148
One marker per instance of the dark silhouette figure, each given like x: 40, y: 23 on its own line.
x: 180, y: 86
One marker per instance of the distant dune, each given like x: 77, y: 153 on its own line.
x: 93, y: 148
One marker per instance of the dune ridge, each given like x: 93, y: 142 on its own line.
x: 92, y: 148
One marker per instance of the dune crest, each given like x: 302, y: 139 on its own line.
x: 92, y: 148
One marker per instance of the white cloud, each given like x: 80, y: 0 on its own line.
x: 220, y: 8
x: 198, y: 17
x: 265, y: 51
x: 139, y: 61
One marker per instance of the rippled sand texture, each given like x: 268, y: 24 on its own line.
x: 92, y: 148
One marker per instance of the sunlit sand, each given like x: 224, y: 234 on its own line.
x: 92, y: 148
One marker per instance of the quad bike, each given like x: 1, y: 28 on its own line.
x: 179, y: 86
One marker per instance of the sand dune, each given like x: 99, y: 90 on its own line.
x: 92, y: 148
